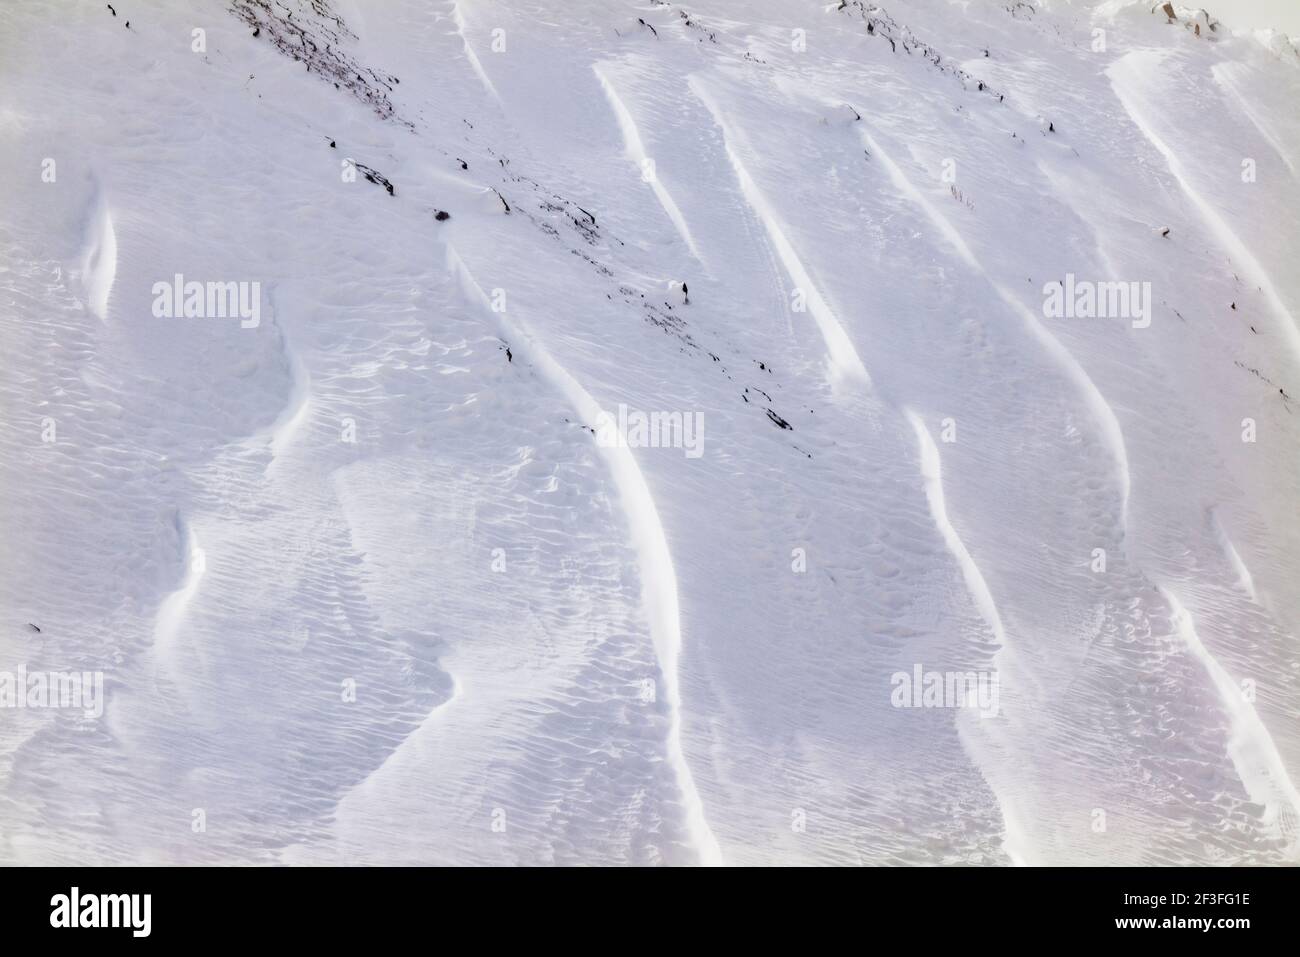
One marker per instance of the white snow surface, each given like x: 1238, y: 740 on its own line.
x: 365, y: 587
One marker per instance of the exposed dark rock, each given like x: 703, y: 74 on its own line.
x: 780, y: 422
x: 376, y: 177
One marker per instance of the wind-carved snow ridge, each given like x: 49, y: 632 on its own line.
x: 371, y: 435
x: 296, y: 409
x: 1101, y: 410
x: 171, y: 613
x: 636, y: 152
x: 1251, y: 747
x: 298, y: 404
x: 1097, y: 403
x: 99, y: 259
x: 844, y: 357
x: 1222, y: 73
x: 459, y: 19
x: 435, y: 716
x: 932, y: 477
x: 1138, y: 69
x: 276, y: 436
x: 1253, y: 752
x: 658, y: 578
x: 1244, y: 577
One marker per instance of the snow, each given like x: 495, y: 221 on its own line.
x: 931, y: 475
x: 636, y: 152
x: 366, y: 586
x: 1139, y: 70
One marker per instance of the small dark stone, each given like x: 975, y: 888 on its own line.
x: 442, y: 215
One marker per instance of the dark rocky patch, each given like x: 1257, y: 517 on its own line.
x: 780, y: 422
x: 375, y: 177
x: 315, y: 38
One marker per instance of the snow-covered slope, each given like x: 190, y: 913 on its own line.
x: 369, y: 583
